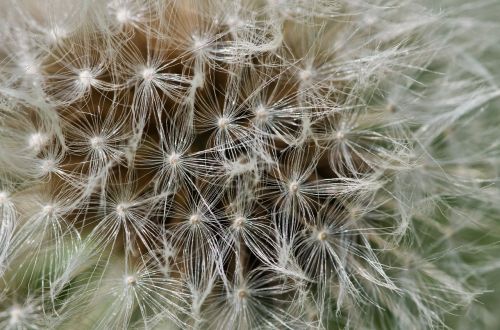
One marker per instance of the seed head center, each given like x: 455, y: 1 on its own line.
x: 48, y: 209
x: 195, y: 219
x: 242, y: 294
x: 322, y: 236
x: 261, y: 114
x: 86, y: 78
x: 130, y: 280
x: 293, y: 187
x: 239, y: 222
x: 97, y: 142
x: 148, y: 74
x: 16, y: 314
x: 123, y: 15
x: 306, y: 75
x: 121, y: 209
x: 48, y: 166
x: 4, y: 197
x: 223, y: 122
x: 37, y: 141
x: 174, y: 159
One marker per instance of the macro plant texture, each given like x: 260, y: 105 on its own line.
x: 249, y: 164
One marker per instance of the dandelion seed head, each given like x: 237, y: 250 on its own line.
x: 244, y: 164
x: 123, y: 15
x: 16, y: 314
x: 198, y: 81
x: 322, y: 236
x: 86, y: 78
x: 122, y: 209
x: 4, y: 197
x: 195, y: 219
x: 48, y: 209
x: 199, y: 42
x: 30, y: 67
x: 97, y: 142
x: 261, y: 114
x: 130, y: 280
x: 233, y: 21
x: 239, y: 222
x: 243, y: 294
x: 168, y: 251
x: 57, y: 33
x: 391, y: 107
x: 293, y: 187
x: 306, y: 75
x: 223, y: 122
x: 174, y: 159
x: 37, y: 141
x: 340, y: 135
x: 48, y: 166
x: 148, y: 74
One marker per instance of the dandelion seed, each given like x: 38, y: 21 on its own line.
x: 16, y: 314
x: 322, y: 235
x: 242, y: 165
x: 261, y: 114
x: 234, y: 22
x: 4, y: 197
x: 306, y: 75
x: 48, y: 166
x: 239, y: 222
x: 48, y: 210
x: 223, y: 123
x: 97, y: 142
x: 121, y: 209
x: 123, y: 15
x: 57, y: 34
x: 30, y: 67
x: 86, y: 78
x: 148, y: 74
x: 293, y: 187
x: 130, y: 280
x: 37, y: 141
x: 25, y: 315
x: 199, y: 42
x: 195, y: 219
x: 242, y: 294
x: 174, y: 159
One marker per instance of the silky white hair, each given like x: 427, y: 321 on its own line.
x: 248, y: 164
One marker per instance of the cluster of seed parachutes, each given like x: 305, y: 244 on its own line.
x: 220, y: 164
